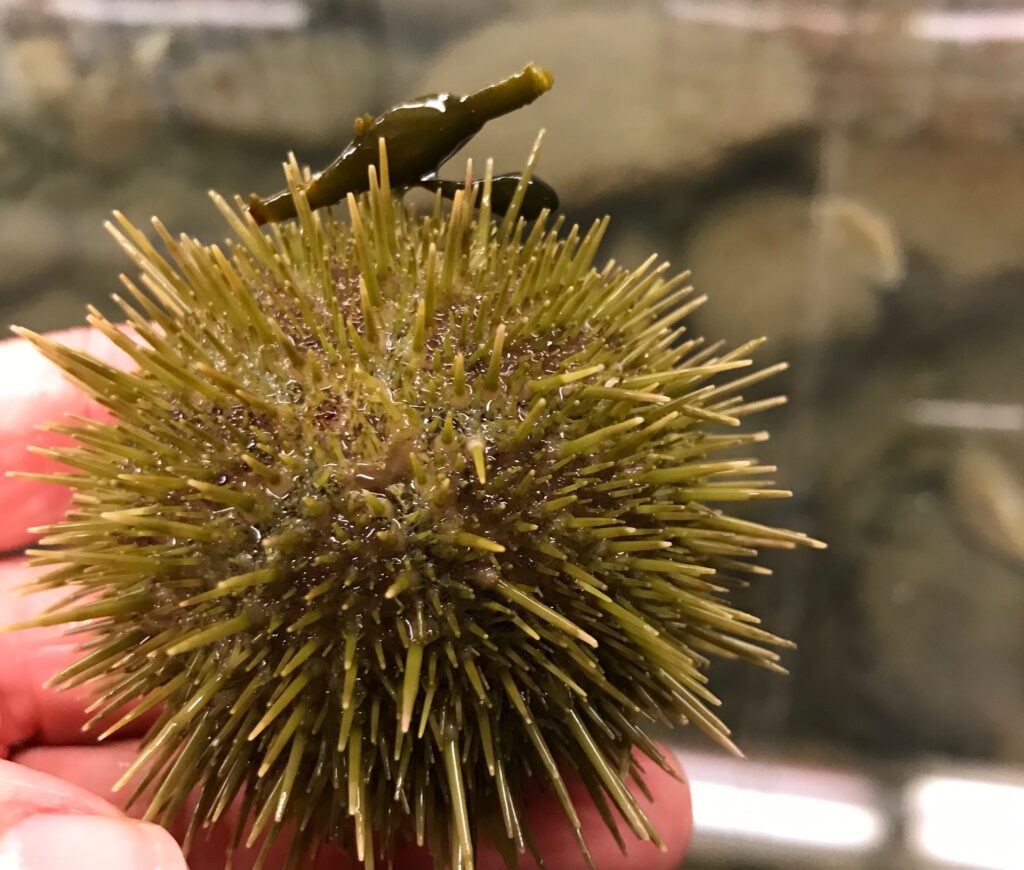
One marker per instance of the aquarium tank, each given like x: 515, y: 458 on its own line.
x: 844, y: 177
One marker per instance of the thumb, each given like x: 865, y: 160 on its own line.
x: 47, y: 824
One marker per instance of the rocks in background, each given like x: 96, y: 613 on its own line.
x: 888, y: 76
x: 30, y: 244
x: 639, y: 97
x: 36, y: 72
x: 949, y: 202
x: 796, y: 268
x: 882, y: 82
x: 181, y: 204
x: 98, y: 109
x: 630, y: 245
x: 14, y: 168
x: 943, y: 628
x: 296, y: 89
x: 988, y: 494
x: 439, y: 20
x: 53, y: 305
x: 725, y: 88
x: 912, y: 641
x: 112, y: 112
x: 53, y: 242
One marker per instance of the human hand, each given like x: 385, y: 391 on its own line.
x: 57, y: 809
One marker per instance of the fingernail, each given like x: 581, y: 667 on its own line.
x: 58, y: 842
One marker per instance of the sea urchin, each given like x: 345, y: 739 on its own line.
x: 393, y: 514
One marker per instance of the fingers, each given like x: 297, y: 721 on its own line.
x: 48, y: 824
x: 27, y: 660
x: 97, y: 768
x: 33, y: 391
x: 24, y: 791
x: 29, y: 712
x: 56, y: 842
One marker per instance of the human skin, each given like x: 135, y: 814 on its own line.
x: 57, y: 809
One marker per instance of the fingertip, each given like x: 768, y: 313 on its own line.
x: 37, y: 393
x: 51, y: 841
x: 25, y: 792
x: 28, y: 659
x: 32, y: 709
x: 670, y: 811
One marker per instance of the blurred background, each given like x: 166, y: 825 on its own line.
x: 844, y: 177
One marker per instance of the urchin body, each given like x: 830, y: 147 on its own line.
x: 397, y: 512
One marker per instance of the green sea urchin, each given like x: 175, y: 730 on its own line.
x: 395, y: 513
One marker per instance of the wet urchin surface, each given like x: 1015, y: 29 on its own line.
x: 394, y: 513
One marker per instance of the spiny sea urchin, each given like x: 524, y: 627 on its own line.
x: 396, y: 513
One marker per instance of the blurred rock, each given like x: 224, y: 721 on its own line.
x: 942, y: 628
x: 31, y: 243
x: 151, y: 49
x: 912, y: 644
x: 300, y: 90
x: 36, y: 72
x: 181, y: 205
x: 52, y: 306
x: 988, y: 495
x: 639, y: 97
x: 629, y: 245
x: 112, y: 112
x: 725, y: 88
x: 440, y: 19
x: 866, y: 235
x: 15, y: 167
x: 878, y: 78
x: 794, y: 268
x: 58, y: 228
x: 886, y: 78
x: 957, y: 206
x: 978, y: 95
x: 912, y: 641
x: 65, y: 190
